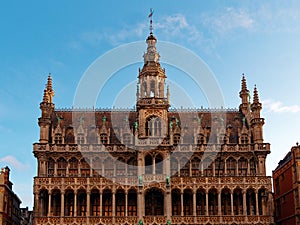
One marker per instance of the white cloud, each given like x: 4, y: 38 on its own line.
x: 228, y: 20
x: 13, y: 162
x: 177, y: 26
x: 279, y: 107
x: 278, y: 17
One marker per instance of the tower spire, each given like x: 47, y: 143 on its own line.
x: 49, y: 88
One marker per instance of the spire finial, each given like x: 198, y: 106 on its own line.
x: 150, y: 16
x: 49, y: 88
x: 255, y: 95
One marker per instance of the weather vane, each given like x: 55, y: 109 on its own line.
x: 150, y: 16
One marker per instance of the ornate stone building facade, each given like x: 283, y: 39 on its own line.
x: 152, y: 165
x: 10, y: 213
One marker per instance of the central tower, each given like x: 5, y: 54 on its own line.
x: 152, y: 104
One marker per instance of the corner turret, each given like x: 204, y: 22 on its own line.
x: 256, y: 122
x: 47, y: 108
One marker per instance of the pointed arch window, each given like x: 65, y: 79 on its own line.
x: 226, y: 202
x: 80, y: 139
x: 97, y: 167
x: 244, y: 139
x: 174, y: 167
x: 109, y: 167
x: 176, y: 202
x: 219, y: 167
x: 153, y: 127
x: 231, y: 166
x: 95, y: 203
x: 132, y: 203
x: 81, y: 203
x: 207, y: 167
x: 201, y: 202
x: 185, y: 167
x: 120, y: 167
x: 159, y: 164
x: 85, y: 167
x: 69, y: 203
x: 238, y: 202
x: 61, y: 167
x: 104, y: 139
x: 51, y: 164
x: 120, y: 203
x: 196, y: 166
x: 73, y: 167
x: 243, y: 166
x: 127, y: 139
x: 152, y: 89
x: 200, y: 139
x: 176, y: 139
x: 58, y: 138
x: 213, y: 202
x: 132, y: 167
x: 107, y: 203
x: 252, y: 167
x: 69, y: 137
x: 188, y: 202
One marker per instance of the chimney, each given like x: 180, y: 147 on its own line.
x: 6, y: 175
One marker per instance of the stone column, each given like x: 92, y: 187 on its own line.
x: 244, y: 203
x: 62, y: 204
x: 153, y: 165
x: 126, y: 203
x: 256, y: 203
x: 219, y: 204
x: 113, y: 203
x: 206, y: 206
x: 88, y: 203
x: 181, y: 195
x: 140, y: 206
x: 100, y: 193
x: 36, y: 204
x: 75, y: 204
x: 168, y: 203
x: 194, y: 204
x: 231, y: 203
x: 49, y: 205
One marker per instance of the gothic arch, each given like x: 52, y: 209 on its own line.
x: 213, y: 201
x: 238, y: 201
x: 226, y: 201
x: 43, y: 202
x: 132, y: 202
x: 188, y: 202
x: 154, y: 202
x: 176, y: 202
x: 201, y: 201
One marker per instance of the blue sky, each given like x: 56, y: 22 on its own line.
x: 258, y: 38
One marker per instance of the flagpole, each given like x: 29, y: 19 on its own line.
x: 150, y: 16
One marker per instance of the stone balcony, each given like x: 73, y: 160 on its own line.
x: 150, y: 142
x: 149, y: 179
x: 238, y: 219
